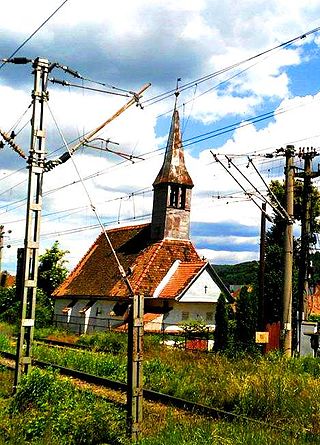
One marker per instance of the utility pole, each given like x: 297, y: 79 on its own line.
x: 135, y: 367
x: 1, y: 245
x: 286, y: 328
x: 33, y: 216
x: 261, y: 318
x: 306, y: 232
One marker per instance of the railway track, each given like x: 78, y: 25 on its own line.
x: 150, y: 395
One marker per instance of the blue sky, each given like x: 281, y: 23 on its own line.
x: 126, y: 44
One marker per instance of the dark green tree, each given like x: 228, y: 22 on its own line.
x: 52, y: 270
x: 9, y: 305
x: 274, y: 249
x: 246, y: 319
x: 221, y: 333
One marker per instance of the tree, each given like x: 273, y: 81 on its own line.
x: 52, y: 270
x: 9, y: 305
x: 51, y: 273
x: 246, y: 319
x: 274, y: 248
x: 222, y: 331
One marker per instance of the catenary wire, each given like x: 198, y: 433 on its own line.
x: 228, y: 68
x: 34, y: 33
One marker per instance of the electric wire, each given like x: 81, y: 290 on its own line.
x: 228, y: 68
x: 93, y: 208
x: 14, y: 126
x: 266, y: 116
x: 241, y: 186
x: 34, y: 33
x: 280, y: 208
x: 74, y: 85
x: 74, y: 231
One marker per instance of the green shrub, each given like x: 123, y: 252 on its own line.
x: 97, y: 363
x: 113, y: 342
x: 51, y: 409
x: 4, y: 343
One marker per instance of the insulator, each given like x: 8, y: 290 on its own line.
x: 20, y: 60
x: 12, y: 144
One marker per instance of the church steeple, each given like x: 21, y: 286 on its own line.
x: 172, y: 190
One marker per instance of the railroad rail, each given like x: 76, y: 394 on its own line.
x: 152, y: 396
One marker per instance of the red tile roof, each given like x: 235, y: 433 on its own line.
x: 181, y: 278
x: 97, y: 274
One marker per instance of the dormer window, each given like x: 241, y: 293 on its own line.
x: 177, y: 196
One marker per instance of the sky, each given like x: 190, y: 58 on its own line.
x: 253, y: 108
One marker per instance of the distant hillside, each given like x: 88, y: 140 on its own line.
x: 242, y: 273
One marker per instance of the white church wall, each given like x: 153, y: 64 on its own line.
x: 202, y: 290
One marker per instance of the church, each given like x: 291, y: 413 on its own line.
x: 158, y: 258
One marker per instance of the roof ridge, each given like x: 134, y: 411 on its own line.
x: 144, y: 272
x: 194, y: 263
x: 118, y: 229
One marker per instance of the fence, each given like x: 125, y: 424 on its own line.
x: 172, y: 335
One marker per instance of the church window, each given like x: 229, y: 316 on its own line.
x: 177, y: 197
x: 174, y: 195
x: 182, y: 198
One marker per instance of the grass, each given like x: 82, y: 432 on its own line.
x: 283, y: 392
x: 196, y: 431
x: 270, y: 388
x: 48, y: 410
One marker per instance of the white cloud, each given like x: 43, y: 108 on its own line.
x: 226, y: 257
x: 127, y: 44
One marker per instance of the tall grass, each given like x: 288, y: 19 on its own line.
x: 97, y: 363
x: 195, y: 431
x: 271, y: 388
x: 49, y: 410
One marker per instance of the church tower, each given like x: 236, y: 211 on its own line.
x: 172, y: 190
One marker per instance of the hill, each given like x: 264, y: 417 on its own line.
x: 242, y: 273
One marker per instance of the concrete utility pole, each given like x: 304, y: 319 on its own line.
x: 286, y: 327
x: 1, y: 245
x: 33, y: 216
x: 135, y: 367
x: 306, y: 232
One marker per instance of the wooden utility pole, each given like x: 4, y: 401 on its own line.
x: 286, y: 328
x: 134, y: 370
x: 33, y: 216
x: 261, y: 315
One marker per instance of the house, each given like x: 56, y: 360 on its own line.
x: 7, y: 280
x: 314, y: 302
x: 158, y: 259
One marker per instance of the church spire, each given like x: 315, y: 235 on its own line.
x: 172, y: 189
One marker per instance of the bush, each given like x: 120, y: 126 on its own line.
x: 49, y: 408
x: 112, y: 342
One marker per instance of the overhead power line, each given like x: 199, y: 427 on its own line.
x: 192, y: 83
x: 33, y: 34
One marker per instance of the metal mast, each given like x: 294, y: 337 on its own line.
x: 33, y: 216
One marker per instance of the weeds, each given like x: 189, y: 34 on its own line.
x: 50, y: 410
